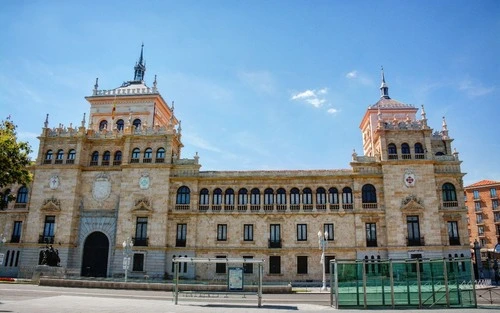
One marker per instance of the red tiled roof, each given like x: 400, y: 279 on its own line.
x: 483, y: 182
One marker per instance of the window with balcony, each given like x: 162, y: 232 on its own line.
x: 47, y: 236
x: 136, y: 154
x: 16, y: 232
x: 333, y: 198
x: 4, y: 196
x: 255, y: 196
x: 243, y: 196
x: 221, y: 232
x: 148, y: 155
x: 294, y: 196
x: 94, y: 158
x: 229, y: 197
x: 248, y: 232
x: 321, y: 198
x: 180, y: 240
x: 405, y: 151
x: 281, y: 196
x: 307, y: 196
x: 392, y: 151
x: 369, y: 196
x: 275, y: 264
x: 328, y: 228
x: 59, y: 156
x: 117, y: 160
x: 119, y: 125
x: 183, y: 195
x: 453, y: 236
x: 268, y: 196
x: 301, y: 264
x: 347, y: 198
x: 106, y: 157
x: 48, y: 157
x: 217, y: 197
x: 141, y: 232
x: 419, y: 151
x: 301, y: 232
x: 204, y: 196
x: 275, y: 236
x: 371, y: 234
x: 449, y: 196
x: 71, y: 156
x: 160, y: 155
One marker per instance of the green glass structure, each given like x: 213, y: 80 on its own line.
x: 413, y: 283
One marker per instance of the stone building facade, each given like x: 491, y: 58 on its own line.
x: 122, y: 176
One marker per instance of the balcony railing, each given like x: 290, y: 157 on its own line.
x: 117, y: 162
x: 320, y: 207
x: 334, y: 206
x: 203, y: 207
x: 274, y: 243
x: 146, y: 160
x: 268, y: 207
x: 46, y: 239
x: 410, y: 242
x: 454, y: 241
x: 70, y: 161
x: 369, y: 206
x: 347, y: 206
x: 294, y: 207
x: 281, y: 207
x: 134, y: 160
x: 228, y: 208
x: 406, y: 156
x: 47, y: 161
x: 160, y: 160
x: 180, y: 242
x: 419, y: 156
x: 140, y: 241
x: 393, y: 156
x: 20, y: 206
x: 242, y: 208
x: 371, y: 243
x: 58, y: 161
x: 182, y: 207
x: 15, y: 239
x: 450, y: 204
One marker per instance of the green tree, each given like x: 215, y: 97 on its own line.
x: 14, y: 161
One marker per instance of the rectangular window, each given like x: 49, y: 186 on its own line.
x: 222, y: 232
x: 496, y: 217
x: 141, y: 232
x: 274, y: 264
x: 328, y: 228
x: 494, y: 204
x: 48, y: 229
x: 220, y: 268
x: 248, y: 267
x: 477, y: 206
x: 16, y: 232
x: 302, y: 265
x: 248, y: 232
x: 480, y: 230
x: 275, y: 236
x: 493, y: 192
x: 138, y: 265
x: 453, y: 233
x: 479, y: 218
x: 301, y: 232
x: 371, y: 234
x: 180, y: 240
x: 328, y: 258
x: 413, y: 226
x: 476, y: 194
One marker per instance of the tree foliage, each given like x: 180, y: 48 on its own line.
x: 14, y: 161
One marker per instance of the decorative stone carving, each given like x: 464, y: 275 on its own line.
x: 409, y: 178
x: 51, y: 204
x: 144, y: 181
x: 54, y: 182
x: 142, y: 205
x: 101, y: 188
x: 411, y: 203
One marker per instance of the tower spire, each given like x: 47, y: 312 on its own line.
x: 384, y: 89
x: 140, y: 67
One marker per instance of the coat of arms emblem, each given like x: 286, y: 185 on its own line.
x: 102, y: 187
x: 409, y: 178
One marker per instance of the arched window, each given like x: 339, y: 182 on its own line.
x: 333, y: 195
x: 255, y: 196
x: 48, y: 157
x: 60, y: 154
x: 320, y: 195
x: 217, y: 200
x: 419, y: 151
x: 103, y: 125
x: 347, y: 195
x: 229, y: 197
x: 392, y: 151
x: 106, y: 157
x: 148, y: 154
x: 183, y: 195
x: 117, y: 160
x: 160, y: 155
x: 136, y: 123
x: 71, y: 154
x: 22, y: 195
x: 119, y: 124
x: 94, y: 159
x: 204, y: 196
x: 294, y: 196
x: 135, y: 155
x: 281, y: 196
x: 449, y: 193
x: 405, y: 151
x: 307, y: 196
x: 268, y: 196
x: 5, y: 199
x: 369, y: 194
x: 242, y: 196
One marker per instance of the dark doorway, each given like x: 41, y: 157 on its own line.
x: 95, y: 255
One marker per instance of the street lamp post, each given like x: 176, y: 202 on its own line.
x: 127, y: 250
x: 323, y: 241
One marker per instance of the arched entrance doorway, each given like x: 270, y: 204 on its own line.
x: 95, y: 255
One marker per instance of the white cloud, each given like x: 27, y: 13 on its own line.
x: 356, y: 76
x: 332, y: 111
x: 312, y: 96
x: 352, y: 74
x: 474, y: 89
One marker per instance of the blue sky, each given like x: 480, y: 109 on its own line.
x: 263, y: 84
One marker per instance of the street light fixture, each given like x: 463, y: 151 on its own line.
x: 128, y: 244
x: 323, y: 241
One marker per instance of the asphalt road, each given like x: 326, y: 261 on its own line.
x: 25, y: 298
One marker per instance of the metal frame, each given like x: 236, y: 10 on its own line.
x: 178, y: 260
